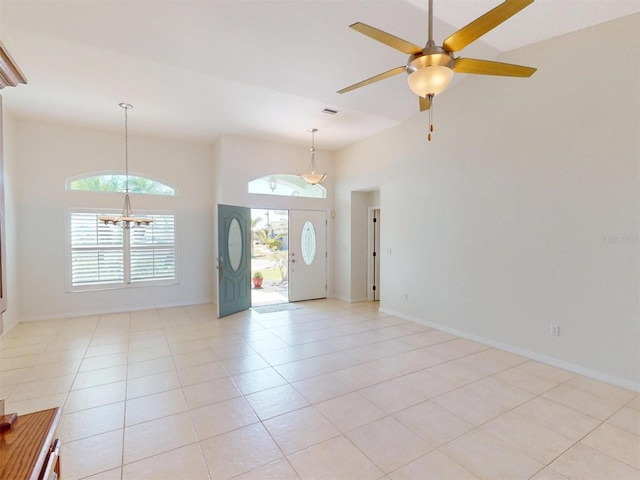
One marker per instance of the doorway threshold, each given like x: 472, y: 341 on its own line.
x: 269, y: 296
x: 280, y: 307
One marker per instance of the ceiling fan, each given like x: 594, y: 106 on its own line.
x: 431, y: 68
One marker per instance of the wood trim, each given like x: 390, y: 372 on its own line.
x: 10, y: 74
x: 3, y: 248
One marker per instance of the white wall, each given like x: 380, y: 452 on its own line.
x: 503, y: 224
x: 11, y: 316
x: 217, y: 185
x: 45, y: 155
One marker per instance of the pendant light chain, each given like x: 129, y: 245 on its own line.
x: 126, y: 149
x: 313, y: 150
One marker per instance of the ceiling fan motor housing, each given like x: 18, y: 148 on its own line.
x: 430, y: 55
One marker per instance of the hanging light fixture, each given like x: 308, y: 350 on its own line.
x: 311, y: 176
x: 126, y: 220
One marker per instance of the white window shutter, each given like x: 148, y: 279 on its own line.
x: 97, y: 254
x: 102, y: 257
x: 153, y: 250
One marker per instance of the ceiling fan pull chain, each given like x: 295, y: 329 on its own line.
x: 430, y: 98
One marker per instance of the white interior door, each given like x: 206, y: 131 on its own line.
x: 307, y: 255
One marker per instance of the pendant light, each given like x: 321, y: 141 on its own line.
x: 311, y: 176
x: 126, y: 220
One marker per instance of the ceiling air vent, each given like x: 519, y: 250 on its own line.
x: 329, y: 111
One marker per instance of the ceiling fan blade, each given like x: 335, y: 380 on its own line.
x: 481, y: 25
x: 386, y: 38
x: 381, y: 76
x: 425, y: 103
x: 487, y: 67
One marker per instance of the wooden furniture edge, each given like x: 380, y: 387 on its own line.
x: 29, y: 444
x: 48, y: 442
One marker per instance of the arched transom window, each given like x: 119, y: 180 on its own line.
x: 113, y: 182
x: 286, y: 185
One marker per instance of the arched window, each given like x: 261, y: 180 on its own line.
x: 114, y: 182
x: 286, y: 185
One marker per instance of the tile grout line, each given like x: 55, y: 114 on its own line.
x: 189, y: 410
x: 126, y: 387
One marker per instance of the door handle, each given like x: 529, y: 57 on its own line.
x: 220, y: 268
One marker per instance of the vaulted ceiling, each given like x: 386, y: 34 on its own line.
x: 257, y: 68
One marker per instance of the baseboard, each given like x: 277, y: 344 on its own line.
x: 357, y: 300
x: 349, y: 300
x: 107, y: 311
x: 572, y: 367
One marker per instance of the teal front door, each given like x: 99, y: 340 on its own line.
x: 234, y: 259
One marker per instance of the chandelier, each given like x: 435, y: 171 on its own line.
x: 311, y: 176
x: 126, y: 220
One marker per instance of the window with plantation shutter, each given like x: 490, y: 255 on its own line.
x: 153, y: 253
x: 107, y: 256
x: 97, y: 251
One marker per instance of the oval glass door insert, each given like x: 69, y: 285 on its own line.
x: 234, y: 244
x: 308, y: 243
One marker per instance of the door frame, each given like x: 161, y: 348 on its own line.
x: 285, y: 290
x: 373, y: 245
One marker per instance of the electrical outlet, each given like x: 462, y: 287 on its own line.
x: 555, y: 330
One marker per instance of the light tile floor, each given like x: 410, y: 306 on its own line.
x: 329, y: 390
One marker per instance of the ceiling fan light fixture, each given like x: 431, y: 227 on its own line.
x: 430, y: 80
